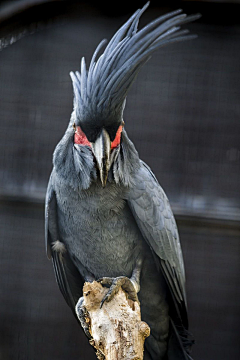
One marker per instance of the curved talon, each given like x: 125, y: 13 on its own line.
x: 114, y: 284
x: 82, y: 314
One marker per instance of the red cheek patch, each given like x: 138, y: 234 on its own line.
x: 80, y: 138
x: 117, y: 139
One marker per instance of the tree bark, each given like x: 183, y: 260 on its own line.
x: 116, y: 329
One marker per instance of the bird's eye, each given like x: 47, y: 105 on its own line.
x: 74, y: 126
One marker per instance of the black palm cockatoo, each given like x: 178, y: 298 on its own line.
x: 106, y: 214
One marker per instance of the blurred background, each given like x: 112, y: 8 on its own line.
x: 183, y: 114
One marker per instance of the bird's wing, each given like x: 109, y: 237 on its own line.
x: 67, y: 275
x: 155, y: 219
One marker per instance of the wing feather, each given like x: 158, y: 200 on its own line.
x: 69, y: 280
x: 155, y: 219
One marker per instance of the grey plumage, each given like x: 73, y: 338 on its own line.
x: 94, y: 231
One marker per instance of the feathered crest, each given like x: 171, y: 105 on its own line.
x: 100, y: 92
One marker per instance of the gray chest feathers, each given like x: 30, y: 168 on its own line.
x: 99, y: 230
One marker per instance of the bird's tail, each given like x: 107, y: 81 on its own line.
x: 179, y: 343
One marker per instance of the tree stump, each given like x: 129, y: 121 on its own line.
x: 116, y: 329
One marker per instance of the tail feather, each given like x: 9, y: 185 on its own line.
x: 179, y: 343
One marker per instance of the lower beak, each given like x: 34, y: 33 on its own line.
x: 102, y: 149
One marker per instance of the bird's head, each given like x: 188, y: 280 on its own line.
x: 96, y: 124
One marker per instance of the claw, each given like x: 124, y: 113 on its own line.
x: 83, y: 317
x: 114, y: 285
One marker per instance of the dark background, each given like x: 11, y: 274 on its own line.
x: 183, y: 114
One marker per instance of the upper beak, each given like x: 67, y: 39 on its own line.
x: 102, y: 149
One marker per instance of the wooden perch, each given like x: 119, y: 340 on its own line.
x: 116, y: 329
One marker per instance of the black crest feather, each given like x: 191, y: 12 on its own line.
x: 100, y: 92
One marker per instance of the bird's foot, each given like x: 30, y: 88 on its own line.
x: 83, y: 317
x: 114, y: 284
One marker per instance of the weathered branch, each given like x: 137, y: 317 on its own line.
x: 116, y: 329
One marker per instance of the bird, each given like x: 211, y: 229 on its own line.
x: 106, y: 216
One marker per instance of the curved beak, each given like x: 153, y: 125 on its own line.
x: 102, y: 150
